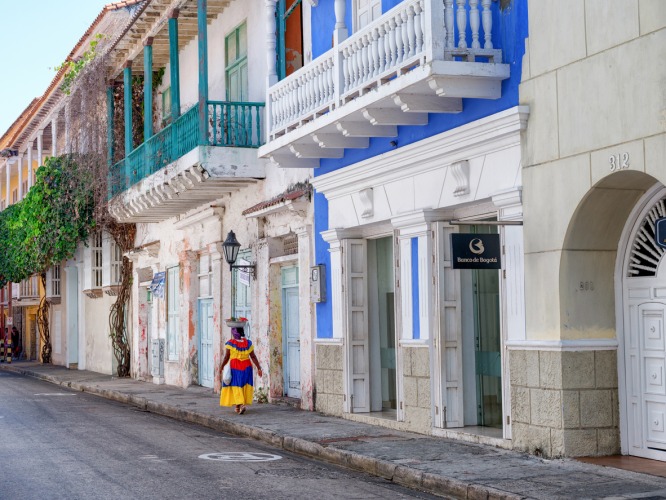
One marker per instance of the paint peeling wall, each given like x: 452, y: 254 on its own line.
x: 182, y: 240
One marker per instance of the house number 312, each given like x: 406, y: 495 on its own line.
x: 619, y: 161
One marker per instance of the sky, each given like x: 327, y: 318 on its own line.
x: 35, y: 37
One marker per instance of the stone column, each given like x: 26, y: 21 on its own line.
x: 217, y: 267
x: 306, y: 316
x: 189, y: 317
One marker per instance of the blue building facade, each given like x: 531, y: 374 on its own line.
x: 408, y: 116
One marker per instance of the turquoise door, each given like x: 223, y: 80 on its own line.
x: 291, y: 333
x: 206, y: 342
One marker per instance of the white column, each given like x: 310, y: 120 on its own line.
x: 20, y: 176
x: 340, y: 32
x: 54, y: 135
x: 306, y: 315
x: 334, y: 238
x: 8, y: 191
x: 30, y: 176
x: 40, y: 148
x: 270, y: 44
x: 68, y: 116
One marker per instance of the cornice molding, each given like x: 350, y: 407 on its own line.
x: 493, y: 133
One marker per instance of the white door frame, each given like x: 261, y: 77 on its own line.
x: 622, y: 319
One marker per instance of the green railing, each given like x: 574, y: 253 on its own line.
x: 230, y: 124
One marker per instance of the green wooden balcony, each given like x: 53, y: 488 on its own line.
x: 231, y: 124
x: 161, y: 172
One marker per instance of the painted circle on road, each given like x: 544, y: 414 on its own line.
x: 240, y: 456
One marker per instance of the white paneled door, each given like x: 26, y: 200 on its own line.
x: 206, y: 342
x: 646, y: 367
x: 355, y: 279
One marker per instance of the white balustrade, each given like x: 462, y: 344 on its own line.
x: 392, y: 44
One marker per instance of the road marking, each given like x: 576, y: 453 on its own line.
x: 55, y: 394
x: 155, y: 458
x: 240, y: 456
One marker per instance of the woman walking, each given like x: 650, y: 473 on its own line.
x: 240, y: 390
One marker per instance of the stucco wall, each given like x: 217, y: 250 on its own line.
x: 594, y: 92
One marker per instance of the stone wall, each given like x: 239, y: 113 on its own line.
x: 417, y: 388
x: 565, y: 403
x: 329, y: 388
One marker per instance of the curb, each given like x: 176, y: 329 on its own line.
x: 399, y: 474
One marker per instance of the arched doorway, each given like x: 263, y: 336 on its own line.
x: 641, y: 294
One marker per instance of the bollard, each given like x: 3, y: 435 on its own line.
x: 8, y: 351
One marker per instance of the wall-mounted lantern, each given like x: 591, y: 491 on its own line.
x: 231, y: 247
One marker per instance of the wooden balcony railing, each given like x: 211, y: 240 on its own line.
x: 230, y: 124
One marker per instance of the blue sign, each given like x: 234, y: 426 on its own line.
x: 660, y: 232
x: 476, y: 251
x: 157, y: 285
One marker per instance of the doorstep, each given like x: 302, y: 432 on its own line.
x: 626, y: 462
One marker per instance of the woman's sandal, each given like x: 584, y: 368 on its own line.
x: 237, y: 408
x: 242, y: 409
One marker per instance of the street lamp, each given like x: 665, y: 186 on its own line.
x: 231, y: 247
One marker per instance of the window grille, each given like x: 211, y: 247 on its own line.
x: 116, y: 263
x: 97, y: 260
x: 290, y: 244
x: 55, y: 281
x: 645, y: 253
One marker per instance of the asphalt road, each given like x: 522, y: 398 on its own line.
x: 59, y: 444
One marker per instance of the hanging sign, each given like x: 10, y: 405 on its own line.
x: 476, y: 251
x: 243, y: 274
x: 157, y: 285
x: 660, y: 232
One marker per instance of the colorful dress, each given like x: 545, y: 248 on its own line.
x: 240, y: 390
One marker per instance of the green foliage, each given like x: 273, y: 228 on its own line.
x: 74, y: 68
x: 46, y: 226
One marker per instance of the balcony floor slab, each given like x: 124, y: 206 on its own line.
x: 202, y: 175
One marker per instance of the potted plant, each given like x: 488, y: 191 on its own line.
x: 234, y: 322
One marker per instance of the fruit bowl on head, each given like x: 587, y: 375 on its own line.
x: 236, y: 322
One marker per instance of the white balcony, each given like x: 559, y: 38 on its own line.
x: 27, y: 291
x: 422, y: 56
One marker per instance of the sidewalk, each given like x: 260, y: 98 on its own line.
x: 441, y: 466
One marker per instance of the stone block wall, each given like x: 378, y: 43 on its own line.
x: 329, y: 386
x: 416, y: 385
x: 565, y: 403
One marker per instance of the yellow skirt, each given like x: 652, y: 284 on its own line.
x: 231, y: 396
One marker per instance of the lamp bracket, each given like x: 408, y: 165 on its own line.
x: 251, y: 269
